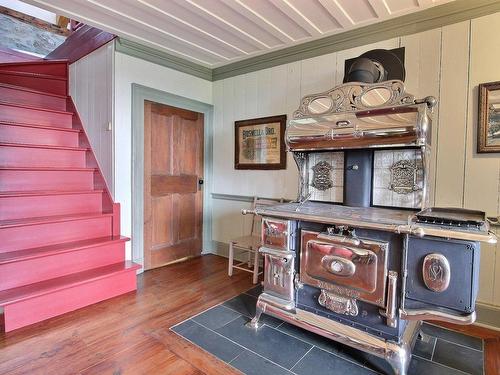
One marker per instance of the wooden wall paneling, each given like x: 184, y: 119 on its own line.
x: 293, y: 96
x: 227, y: 219
x: 452, y: 117
x: 317, y: 74
x: 240, y: 108
x: 490, y: 278
x: 226, y: 183
x: 487, y: 275
x: 423, y: 61
x: 481, y: 172
x: 217, y: 136
x: 91, y: 86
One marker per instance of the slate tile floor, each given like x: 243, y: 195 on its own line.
x: 279, y: 348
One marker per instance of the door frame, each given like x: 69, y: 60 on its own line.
x: 141, y: 93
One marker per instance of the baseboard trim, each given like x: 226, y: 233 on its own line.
x: 488, y: 316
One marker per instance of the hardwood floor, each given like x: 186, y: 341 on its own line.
x: 130, y: 334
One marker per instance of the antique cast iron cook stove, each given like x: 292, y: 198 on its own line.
x: 360, y: 258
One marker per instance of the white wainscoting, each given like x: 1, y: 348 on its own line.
x: 447, y: 63
x: 91, y: 87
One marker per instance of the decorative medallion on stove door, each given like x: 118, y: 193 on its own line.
x: 322, y: 179
x: 436, y: 272
x: 404, y: 177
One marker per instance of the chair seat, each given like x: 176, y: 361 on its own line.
x: 249, y: 242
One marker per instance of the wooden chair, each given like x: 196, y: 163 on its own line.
x: 250, y: 243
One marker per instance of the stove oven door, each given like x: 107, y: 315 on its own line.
x: 351, y: 267
x: 442, y: 277
x: 279, y: 267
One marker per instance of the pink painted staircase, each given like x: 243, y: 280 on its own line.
x: 60, y: 246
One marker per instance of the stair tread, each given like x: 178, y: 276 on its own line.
x: 36, y: 252
x: 31, y: 74
x: 21, y: 293
x: 29, y: 145
x: 25, y: 193
x: 23, y: 88
x: 50, y: 219
x: 35, y: 62
x: 37, y: 126
x: 36, y: 108
x: 78, y: 169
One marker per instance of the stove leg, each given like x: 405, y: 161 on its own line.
x: 399, y: 355
x: 400, y: 361
x: 254, y: 323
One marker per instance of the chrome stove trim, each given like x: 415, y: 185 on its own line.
x: 424, y: 314
x: 413, y: 229
x: 397, y: 354
x: 348, y: 97
x: 391, y: 311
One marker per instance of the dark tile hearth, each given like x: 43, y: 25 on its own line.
x: 280, y: 348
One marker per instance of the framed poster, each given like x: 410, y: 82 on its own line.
x: 488, y: 132
x: 260, y: 143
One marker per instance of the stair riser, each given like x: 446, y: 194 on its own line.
x: 34, y: 116
x: 37, y: 136
x: 39, y: 308
x: 37, y: 235
x: 54, y: 69
x: 31, y: 271
x: 14, y: 180
x: 12, y: 95
x: 40, y: 157
x: 20, y: 207
x: 54, y: 86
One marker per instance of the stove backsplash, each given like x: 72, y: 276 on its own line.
x: 397, y: 178
x: 326, y: 176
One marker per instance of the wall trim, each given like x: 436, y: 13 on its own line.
x: 243, y: 198
x: 488, y: 316
x: 232, y: 197
x: 139, y: 94
x: 431, y: 18
x: 159, y: 57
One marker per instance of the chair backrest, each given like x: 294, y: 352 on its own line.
x: 256, y: 220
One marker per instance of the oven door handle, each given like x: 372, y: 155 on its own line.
x: 359, y: 256
x: 287, y: 255
x: 338, y: 266
x: 340, y: 239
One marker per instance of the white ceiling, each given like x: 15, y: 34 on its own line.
x: 218, y: 32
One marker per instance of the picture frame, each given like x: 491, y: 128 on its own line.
x: 488, y: 131
x: 260, y: 143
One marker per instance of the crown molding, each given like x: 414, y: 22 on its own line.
x: 441, y: 15
x: 156, y: 56
x: 431, y: 18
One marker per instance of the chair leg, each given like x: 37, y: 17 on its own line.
x: 231, y: 257
x: 249, y: 259
x: 256, y: 267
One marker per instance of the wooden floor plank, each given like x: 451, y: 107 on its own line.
x: 130, y: 334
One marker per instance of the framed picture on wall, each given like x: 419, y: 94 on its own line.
x: 488, y: 132
x: 260, y: 143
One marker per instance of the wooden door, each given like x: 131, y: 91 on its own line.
x: 173, y: 198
